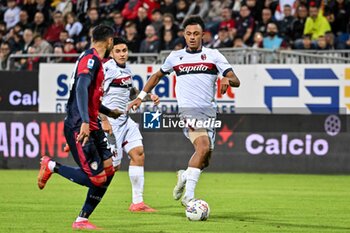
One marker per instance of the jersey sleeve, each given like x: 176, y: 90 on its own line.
x: 88, y: 65
x: 222, y: 64
x: 167, y: 66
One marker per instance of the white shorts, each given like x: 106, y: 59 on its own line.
x: 127, y: 136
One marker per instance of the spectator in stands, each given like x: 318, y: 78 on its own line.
x: 341, y: 11
x: 208, y: 40
x: 258, y: 40
x: 28, y: 40
x: 157, y: 19
x: 30, y: 7
x: 285, y: 24
x: 272, y: 40
x: 92, y: 20
x: 84, y: 42
x: 109, y: 7
x: 255, y: 12
x: 39, y: 25
x: 64, y: 35
x: 316, y: 24
x: 321, y: 43
x: 64, y: 6
x: 227, y: 21
x: 266, y: 18
x: 305, y: 43
x: 330, y: 40
x: 52, y: 33
x: 215, y: 15
x: 142, y: 22
x: 69, y: 49
x: 151, y: 43
x: 168, y: 25
x: 42, y: 46
x: 223, y: 40
x: 24, y: 19
x: 118, y: 24
x: 297, y: 30
x: 58, y: 50
x: 168, y: 6
x: 131, y: 36
x: 239, y: 43
x: 32, y: 63
x: 198, y: 7
x: 181, y: 11
x: 11, y: 16
x: 73, y: 26
x: 130, y: 9
x: 150, y: 5
x: 5, y: 51
x: 280, y: 9
x: 167, y: 41
x: 245, y: 25
x: 15, y: 40
x: 43, y: 6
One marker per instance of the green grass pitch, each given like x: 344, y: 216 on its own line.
x: 238, y: 202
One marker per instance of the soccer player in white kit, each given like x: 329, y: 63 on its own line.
x: 123, y: 132
x: 197, y: 70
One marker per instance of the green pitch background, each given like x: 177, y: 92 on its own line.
x: 238, y: 202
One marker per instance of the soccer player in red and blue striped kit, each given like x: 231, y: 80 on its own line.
x: 86, y: 139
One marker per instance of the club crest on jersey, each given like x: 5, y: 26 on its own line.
x: 204, y: 57
x: 90, y: 63
x: 94, y: 165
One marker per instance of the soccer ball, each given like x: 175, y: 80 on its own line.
x: 197, y: 210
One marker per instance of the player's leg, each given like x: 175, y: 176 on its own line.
x: 133, y: 146
x: 80, y: 175
x: 136, y: 175
x: 96, y: 193
x: 195, y: 165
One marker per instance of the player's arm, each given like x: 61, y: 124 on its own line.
x: 104, y: 112
x: 83, y: 83
x: 149, y: 97
x: 106, y: 126
x: 230, y: 79
x: 151, y: 83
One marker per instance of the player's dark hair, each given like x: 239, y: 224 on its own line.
x: 119, y: 40
x: 194, y: 20
x: 102, y: 33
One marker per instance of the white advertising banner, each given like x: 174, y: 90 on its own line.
x: 286, y: 89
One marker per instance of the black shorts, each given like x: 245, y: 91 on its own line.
x: 91, y: 156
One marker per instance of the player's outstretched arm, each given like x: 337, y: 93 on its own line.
x: 149, y: 97
x: 229, y: 80
x: 151, y: 83
x: 115, y: 113
x: 106, y: 126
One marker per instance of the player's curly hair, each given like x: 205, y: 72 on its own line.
x: 193, y: 20
x: 102, y: 33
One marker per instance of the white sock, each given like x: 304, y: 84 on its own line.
x: 192, y: 176
x: 80, y: 219
x: 137, y: 179
x: 52, y: 165
x: 184, y: 175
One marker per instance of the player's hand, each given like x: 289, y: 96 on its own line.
x: 135, y: 104
x: 155, y: 99
x: 106, y: 127
x: 224, y: 84
x: 84, y: 133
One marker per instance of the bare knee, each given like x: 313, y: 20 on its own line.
x: 202, y: 146
x: 137, y: 156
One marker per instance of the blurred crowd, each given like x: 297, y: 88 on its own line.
x: 149, y: 26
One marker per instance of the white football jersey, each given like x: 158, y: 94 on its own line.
x: 196, y: 76
x: 117, y: 86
